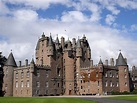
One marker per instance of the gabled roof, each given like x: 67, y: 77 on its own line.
x: 121, y: 61
x: 11, y: 61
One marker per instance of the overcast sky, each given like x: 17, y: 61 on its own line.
x: 109, y: 25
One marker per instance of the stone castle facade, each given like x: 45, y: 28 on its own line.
x: 66, y: 68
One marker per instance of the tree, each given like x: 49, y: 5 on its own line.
x: 2, y: 62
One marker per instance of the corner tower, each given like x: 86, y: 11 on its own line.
x: 123, y: 73
x: 8, y: 75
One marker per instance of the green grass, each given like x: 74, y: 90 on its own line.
x: 127, y: 98
x: 42, y: 100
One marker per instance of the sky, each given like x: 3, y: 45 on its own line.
x: 109, y: 26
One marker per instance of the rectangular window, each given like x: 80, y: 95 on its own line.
x: 135, y: 77
x: 111, y: 84
x: 125, y: 76
x: 37, y: 84
x: 117, y: 75
x: 16, y: 76
x: 38, y: 74
x: 125, y: 70
x: 98, y: 83
x: 47, y: 84
x: 110, y: 74
x: 88, y: 75
x: 117, y: 84
x: 22, y: 74
x: 106, y: 75
x: 47, y: 75
x: 106, y: 83
x: 58, y: 84
x: 28, y: 74
x: 96, y: 74
x: 22, y: 84
x: 16, y: 85
x: 28, y: 83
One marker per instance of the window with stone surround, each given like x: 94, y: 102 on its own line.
x: 37, y: 84
x: 28, y: 74
x: 125, y: 69
x: 28, y: 83
x: 106, y: 83
x: 22, y: 84
x: 16, y: 84
x: 16, y: 75
x: 38, y: 74
x: 96, y: 74
x: 47, y: 84
x: 22, y: 74
x: 125, y: 75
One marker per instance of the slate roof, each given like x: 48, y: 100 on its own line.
x: 11, y: 61
x: 100, y: 62
x: 78, y: 44
x: 121, y: 61
x: 50, y: 41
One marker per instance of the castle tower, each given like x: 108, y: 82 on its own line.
x: 68, y: 68
x: 8, y: 75
x: 78, y: 62
x: 99, y: 82
x: 41, y: 46
x: 123, y: 73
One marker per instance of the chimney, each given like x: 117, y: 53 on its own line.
x: 62, y: 42
x: 111, y: 61
x: 106, y: 62
x: 19, y: 63
x: 26, y: 62
x: 73, y: 42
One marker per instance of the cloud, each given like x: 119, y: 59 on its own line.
x: 36, y: 4
x: 133, y: 27
x: 73, y: 16
x: 110, y: 19
x: 23, y: 28
x: 113, y: 9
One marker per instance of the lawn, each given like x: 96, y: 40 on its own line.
x: 42, y: 100
x: 128, y: 98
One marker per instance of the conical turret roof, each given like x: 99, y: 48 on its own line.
x: 121, y: 61
x: 57, y: 40
x: 78, y: 44
x: 50, y: 41
x: 100, y: 61
x: 11, y: 61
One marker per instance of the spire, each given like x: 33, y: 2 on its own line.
x: 11, y: 61
x: 50, y: 41
x: 57, y: 40
x: 100, y: 61
x: 121, y: 61
x: 32, y: 61
x: 78, y: 44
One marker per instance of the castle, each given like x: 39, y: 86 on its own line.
x: 66, y: 68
